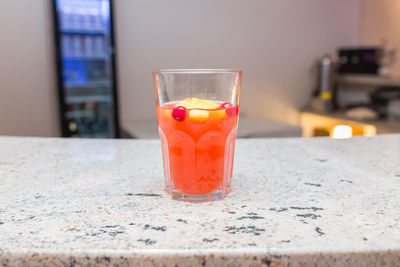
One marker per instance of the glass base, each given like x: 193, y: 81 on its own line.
x: 216, y: 195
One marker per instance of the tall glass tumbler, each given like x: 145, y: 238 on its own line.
x: 197, y: 112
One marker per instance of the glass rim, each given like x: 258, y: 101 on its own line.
x: 197, y: 71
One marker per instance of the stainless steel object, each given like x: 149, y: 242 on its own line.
x: 325, y: 82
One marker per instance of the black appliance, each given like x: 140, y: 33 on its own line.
x: 359, y: 60
x: 86, y: 69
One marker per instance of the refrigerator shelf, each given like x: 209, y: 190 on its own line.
x: 83, y: 31
x: 85, y: 57
x: 79, y: 114
x: 89, y: 98
x: 105, y: 83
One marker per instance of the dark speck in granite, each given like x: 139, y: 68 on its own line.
x: 100, y: 260
x: 112, y: 226
x: 317, y: 185
x: 309, y: 215
x: 252, y: 244
x: 156, y: 228
x: 147, y: 241
x: 347, y: 181
x: 253, y: 217
x: 231, y: 212
x: 244, y: 229
x: 182, y: 220
x: 114, y: 233
x: 319, y: 231
x: 321, y: 160
x: 306, y: 208
x: 210, y: 240
x: 266, y: 261
x: 143, y: 194
x: 278, y: 210
x: 1, y: 223
x: 365, y: 239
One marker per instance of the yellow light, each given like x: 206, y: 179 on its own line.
x: 342, y: 132
x: 72, y: 126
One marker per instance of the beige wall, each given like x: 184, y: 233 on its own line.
x: 273, y: 42
x: 27, y: 78
x: 381, y: 20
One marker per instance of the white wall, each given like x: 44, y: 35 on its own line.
x: 273, y: 42
x: 381, y: 20
x: 28, y: 101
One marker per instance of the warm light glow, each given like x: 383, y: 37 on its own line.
x: 342, y: 132
x: 370, y: 131
x: 311, y: 122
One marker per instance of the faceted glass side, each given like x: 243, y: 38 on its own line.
x: 224, y: 186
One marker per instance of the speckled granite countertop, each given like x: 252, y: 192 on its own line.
x: 294, y: 202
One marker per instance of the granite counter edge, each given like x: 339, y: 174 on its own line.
x: 202, y: 257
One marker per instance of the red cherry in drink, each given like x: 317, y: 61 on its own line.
x: 179, y: 113
x: 229, y: 109
x: 226, y: 105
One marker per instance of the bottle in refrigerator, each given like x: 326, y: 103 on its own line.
x: 75, y: 19
x: 66, y: 45
x: 84, y: 19
x: 66, y: 17
x: 76, y: 46
x: 95, y: 19
x: 99, y: 46
x: 88, y: 46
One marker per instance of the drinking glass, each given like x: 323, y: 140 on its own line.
x: 197, y: 113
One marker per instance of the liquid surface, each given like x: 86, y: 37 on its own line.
x: 198, y: 149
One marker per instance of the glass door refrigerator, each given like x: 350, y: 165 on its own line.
x: 86, y: 68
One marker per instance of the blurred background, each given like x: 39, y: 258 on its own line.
x: 83, y: 68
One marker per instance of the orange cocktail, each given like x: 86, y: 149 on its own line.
x: 199, y: 138
x: 197, y: 112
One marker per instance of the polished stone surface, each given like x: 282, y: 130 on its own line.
x: 293, y: 201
